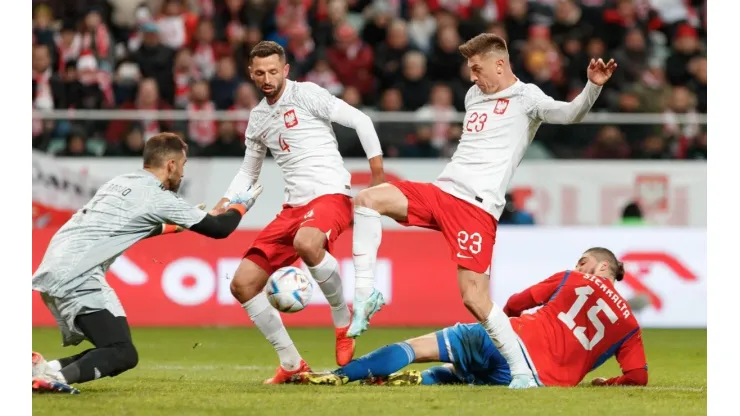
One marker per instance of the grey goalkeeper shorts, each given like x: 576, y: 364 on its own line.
x: 92, y: 296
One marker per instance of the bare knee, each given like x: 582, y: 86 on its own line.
x: 310, y: 245
x: 425, y: 348
x: 385, y: 199
x: 248, y: 281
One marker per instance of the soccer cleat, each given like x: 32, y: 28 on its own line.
x: 46, y: 384
x: 522, y: 382
x: 38, y: 365
x: 363, y: 310
x: 404, y: 378
x: 345, y: 347
x: 324, y: 379
x: 283, y: 376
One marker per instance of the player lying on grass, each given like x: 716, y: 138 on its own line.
x: 71, y: 276
x: 583, y: 321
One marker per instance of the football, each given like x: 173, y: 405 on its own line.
x: 289, y: 289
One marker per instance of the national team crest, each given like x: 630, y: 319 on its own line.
x: 501, y: 105
x: 290, y: 119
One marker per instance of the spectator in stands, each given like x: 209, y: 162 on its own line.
x: 389, y: 54
x: 204, y: 52
x: 75, y: 146
x: 48, y: 88
x: 439, y: 112
x: 147, y: 98
x: 653, y: 147
x: 224, y: 84
x: 245, y: 99
x: 176, y: 25
x: 324, y: 76
x: 419, y: 145
x: 415, y: 87
x: 132, y: 144
x: 156, y: 61
x: 698, y: 147
x: 517, y: 23
x: 375, y: 30
x: 680, y: 133
x: 185, y: 72
x: 632, y: 57
x: 300, y: 50
x: 609, y: 144
x: 445, y: 59
x: 685, y: 48
x: 202, y: 127
x: 421, y: 27
x: 352, y: 60
x: 97, y: 39
x: 68, y: 44
x: 228, y: 143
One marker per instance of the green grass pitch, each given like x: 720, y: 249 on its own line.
x: 208, y: 371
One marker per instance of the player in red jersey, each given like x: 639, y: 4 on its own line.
x: 294, y: 121
x: 582, y: 322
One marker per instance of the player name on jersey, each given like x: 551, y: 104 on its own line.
x: 611, y: 294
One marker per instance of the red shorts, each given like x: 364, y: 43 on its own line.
x: 470, y: 231
x: 273, y: 247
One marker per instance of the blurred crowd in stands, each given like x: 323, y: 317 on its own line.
x: 380, y: 55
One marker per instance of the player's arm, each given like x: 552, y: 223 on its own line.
x: 631, y: 359
x: 248, y: 172
x: 535, y: 295
x: 549, y: 110
x: 545, y: 108
x: 178, y: 214
x: 328, y: 107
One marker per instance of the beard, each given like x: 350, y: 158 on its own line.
x: 274, y: 91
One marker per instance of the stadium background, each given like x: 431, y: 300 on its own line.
x: 109, y: 74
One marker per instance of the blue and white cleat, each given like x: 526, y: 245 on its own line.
x: 362, y: 311
x: 522, y: 381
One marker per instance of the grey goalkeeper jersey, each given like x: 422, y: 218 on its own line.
x: 126, y: 209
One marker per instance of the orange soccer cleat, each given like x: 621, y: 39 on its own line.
x: 345, y: 347
x: 283, y: 376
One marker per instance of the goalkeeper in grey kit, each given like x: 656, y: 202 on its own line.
x: 71, y: 276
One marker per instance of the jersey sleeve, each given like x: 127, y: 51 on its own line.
x: 631, y: 359
x: 541, y: 106
x: 169, y: 208
x: 251, y: 167
x: 535, y: 295
x: 316, y: 100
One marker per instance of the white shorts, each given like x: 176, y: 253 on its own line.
x: 91, y: 296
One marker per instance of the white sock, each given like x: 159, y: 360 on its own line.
x: 505, y: 339
x: 365, y: 243
x: 54, y: 366
x: 326, y: 274
x: 267, y: 319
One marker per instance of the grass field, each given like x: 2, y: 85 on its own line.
x: 219, y: 371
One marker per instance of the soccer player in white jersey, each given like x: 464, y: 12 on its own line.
x: 294, y: 121
x: 502, y: 115
x: 71, y: 276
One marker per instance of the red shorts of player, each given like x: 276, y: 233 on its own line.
x: 470, y: 231
x: 273, y: 247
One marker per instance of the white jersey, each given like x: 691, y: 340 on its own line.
x: 298, y: 131
x: 497, y: 130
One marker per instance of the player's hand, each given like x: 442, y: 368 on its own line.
x: 599, y: 381
x: 248, y: 196
x: 599, y: 72
x: 220, y: 207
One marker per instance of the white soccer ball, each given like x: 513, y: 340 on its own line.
x: 289, y: 289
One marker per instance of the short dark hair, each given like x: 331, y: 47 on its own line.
x: 482, y: 44
x: 616, y: 267
x: 267, y: 48
x: 161, y: 146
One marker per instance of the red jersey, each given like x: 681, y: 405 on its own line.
x: 583, y: 321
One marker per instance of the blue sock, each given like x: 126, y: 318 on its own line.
x: 438, y: 375
x: 381, y: 362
